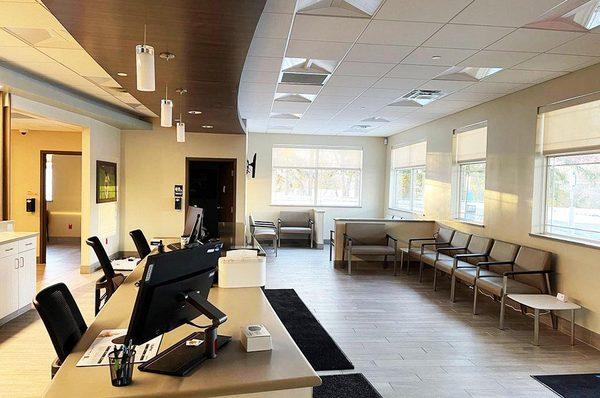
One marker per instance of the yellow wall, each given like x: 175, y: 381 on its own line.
x: 153, y: 162
x: 509, y: 180
x: 25, y: 178
x: 65, y: 208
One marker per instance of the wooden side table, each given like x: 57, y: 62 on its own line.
x: 545, y: 302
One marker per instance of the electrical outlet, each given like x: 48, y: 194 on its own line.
x: 70, y: 226
x: 106, y: 241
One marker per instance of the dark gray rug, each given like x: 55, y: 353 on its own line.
x: 573, y: 386
x: 313, y: 340
x: 353, y: 385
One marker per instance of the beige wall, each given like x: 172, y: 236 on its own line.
x: 509, y: 180
x: 65, y: 208
x: 153, y: 162
x: 25, y: 178
x: 259, y: 188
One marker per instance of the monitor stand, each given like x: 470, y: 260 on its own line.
x: 180, y: 359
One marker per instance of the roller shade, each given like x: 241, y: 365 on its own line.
x: 317, y: 157
x: 471, y: 144
x: 571, y: 128
x: 414, y: 155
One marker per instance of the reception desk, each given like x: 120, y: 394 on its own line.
x: 282, y: 372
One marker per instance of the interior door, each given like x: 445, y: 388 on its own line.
x: 26, y: 277
x: 9, y: 293
x: 226, y: 205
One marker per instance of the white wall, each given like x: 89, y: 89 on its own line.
x: 259, y: 188
x: 509, y: 180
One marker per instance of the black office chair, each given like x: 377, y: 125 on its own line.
x: 141, y: 244
x: 110, y: 281
x: 62, y: 319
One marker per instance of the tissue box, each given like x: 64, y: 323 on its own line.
x: 256, y: 338
x: 242, y: 268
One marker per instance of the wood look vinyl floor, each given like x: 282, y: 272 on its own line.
x: 408, y: 340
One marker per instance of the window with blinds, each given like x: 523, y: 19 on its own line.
x: 470, y: 162
x: 407, y: 177
x: 569, y: 144
x: 316, y: 176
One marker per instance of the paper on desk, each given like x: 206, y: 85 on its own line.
x: 97, y: 353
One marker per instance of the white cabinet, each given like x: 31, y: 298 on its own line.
x: 27, y: 266
x: 17, y: 276
x: 9, y: 293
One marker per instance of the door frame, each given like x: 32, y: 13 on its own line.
x: 217, y: 160
x: 43, y: 203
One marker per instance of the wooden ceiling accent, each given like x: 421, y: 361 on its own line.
x: 209, y: 38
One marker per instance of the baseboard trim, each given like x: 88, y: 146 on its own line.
x: 15, y: 314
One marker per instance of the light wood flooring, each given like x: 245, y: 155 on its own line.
x: 408, y: 340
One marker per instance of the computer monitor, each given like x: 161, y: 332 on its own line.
x: 194, y: 237
x: 190, y: 219
x: 173, y: 291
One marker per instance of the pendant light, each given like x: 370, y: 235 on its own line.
x: 180, y: 123
x: 144, y: 66
x: 166, y: 105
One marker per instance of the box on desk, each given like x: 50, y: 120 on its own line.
x: 256, y: 338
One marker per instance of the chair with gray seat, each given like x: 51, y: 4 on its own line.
x: 264, y: 230
x: 465, y: 265
x: 477, y: 249
x: 442, y: 250
x: 413, y: 251
x: 296, y: 223
x: 529, y: 274
x: 368, y: 239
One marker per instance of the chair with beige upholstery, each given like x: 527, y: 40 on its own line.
x: 477, y: 249
x: 264, y: 230
x: 413, y: 251
x: 465, y: 265
x: 297, y: 223
x: 529, y: 274
x: 368, y: 239
x: 459, y: 242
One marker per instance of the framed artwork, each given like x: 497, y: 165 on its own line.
x: 106, y: 182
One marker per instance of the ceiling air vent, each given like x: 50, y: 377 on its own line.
x: 306, y: 71
x: 418, y: 98
x: 359, y: 128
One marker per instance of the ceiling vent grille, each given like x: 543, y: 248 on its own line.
x: 304, y: 78
x: 418, y: 98
x: 359, y: 128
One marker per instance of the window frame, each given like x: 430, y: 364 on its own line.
x: 315, y: 183
x: 459, y: 190
x: 392, y: 205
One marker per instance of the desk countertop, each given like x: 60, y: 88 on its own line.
x: 7, y: 237
x: 233, y: 372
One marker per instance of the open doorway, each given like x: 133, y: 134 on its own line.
x: 211, y: 185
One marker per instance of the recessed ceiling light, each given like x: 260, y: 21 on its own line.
x: 122, y: 74
x: 436, y: 57
x: 194, y: 112
x: 207, y: 126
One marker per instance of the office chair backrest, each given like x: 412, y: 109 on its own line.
x: 103, y: 259
x: 62, y: 318
x: 141, y: 244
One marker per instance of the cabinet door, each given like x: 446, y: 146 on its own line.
x: 9, y: 292
x: 27, y: 269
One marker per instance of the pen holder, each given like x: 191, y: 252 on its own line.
x: 121, y: 367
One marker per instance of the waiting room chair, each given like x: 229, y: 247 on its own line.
x: 141, y: 244
x: 465, y: 265
x: 368, y: 239
x: 529, y: 274
x: 62, y: 320
x: 110, y: 281
x: 295, y: 223
x: 477, y: 249
x: 413, y: 251
x: 263, y: 230
x: 459, y: 242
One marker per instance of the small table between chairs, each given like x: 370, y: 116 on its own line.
x: 545, y: 302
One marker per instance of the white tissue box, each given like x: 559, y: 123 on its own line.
x: 242, y: 268
x: 256, y: 338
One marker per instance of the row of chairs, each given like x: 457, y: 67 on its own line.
x: 489, y: 266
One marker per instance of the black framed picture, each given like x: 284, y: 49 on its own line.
x: 106, y: 182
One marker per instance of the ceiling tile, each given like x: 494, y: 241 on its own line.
x: 522, y: 76
x: 486, y: 87
x: 281, y: 6
x: 419, y: 10
x: 467, y: 36
x: 263, y: 64
x: 388, y: 95
x: 320, y: 28
x: 470, y: 96
x: 416, y: 71
x: 447, y: 87
x: 588, y: 44
x: 23, y: 55
x: 363, y: 68
x: 257, y: 87
x: 556, y: 62
x: 394, y: 112
x: 344, y: 91
x: 290, y: 107
x: 254, y: 76
x: 398, y: 33
x: 264, y: 47
x: 513, y: 13
x: 78, y: 60
x: 378, y: 53
x: 398, y: 83
x: 351, y: 81
x: 332, y: 100
x: 275, y: 26
x: 534, y: 40
x: 297, y: 88
x: 497, y: 59
x: 449, y: 56
x: 8, y: 40
x: 317, y: 49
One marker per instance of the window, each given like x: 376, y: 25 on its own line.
x: 469, y: 182
x: 407, y: 183
x: 567, y: 202
x: 49, y: 179
x: 316, y: 176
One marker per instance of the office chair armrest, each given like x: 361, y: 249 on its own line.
x: 507, y: 273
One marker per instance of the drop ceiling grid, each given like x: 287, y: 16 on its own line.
x: 552, y: 57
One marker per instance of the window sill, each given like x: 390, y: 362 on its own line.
x: 317, y: 206
x: 566, y: 239
x: 469, y: 222
x: 416, y: 213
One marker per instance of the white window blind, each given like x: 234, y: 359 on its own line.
x: 572, y: 128
x: 471, y: 143
x: 414, y: 155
